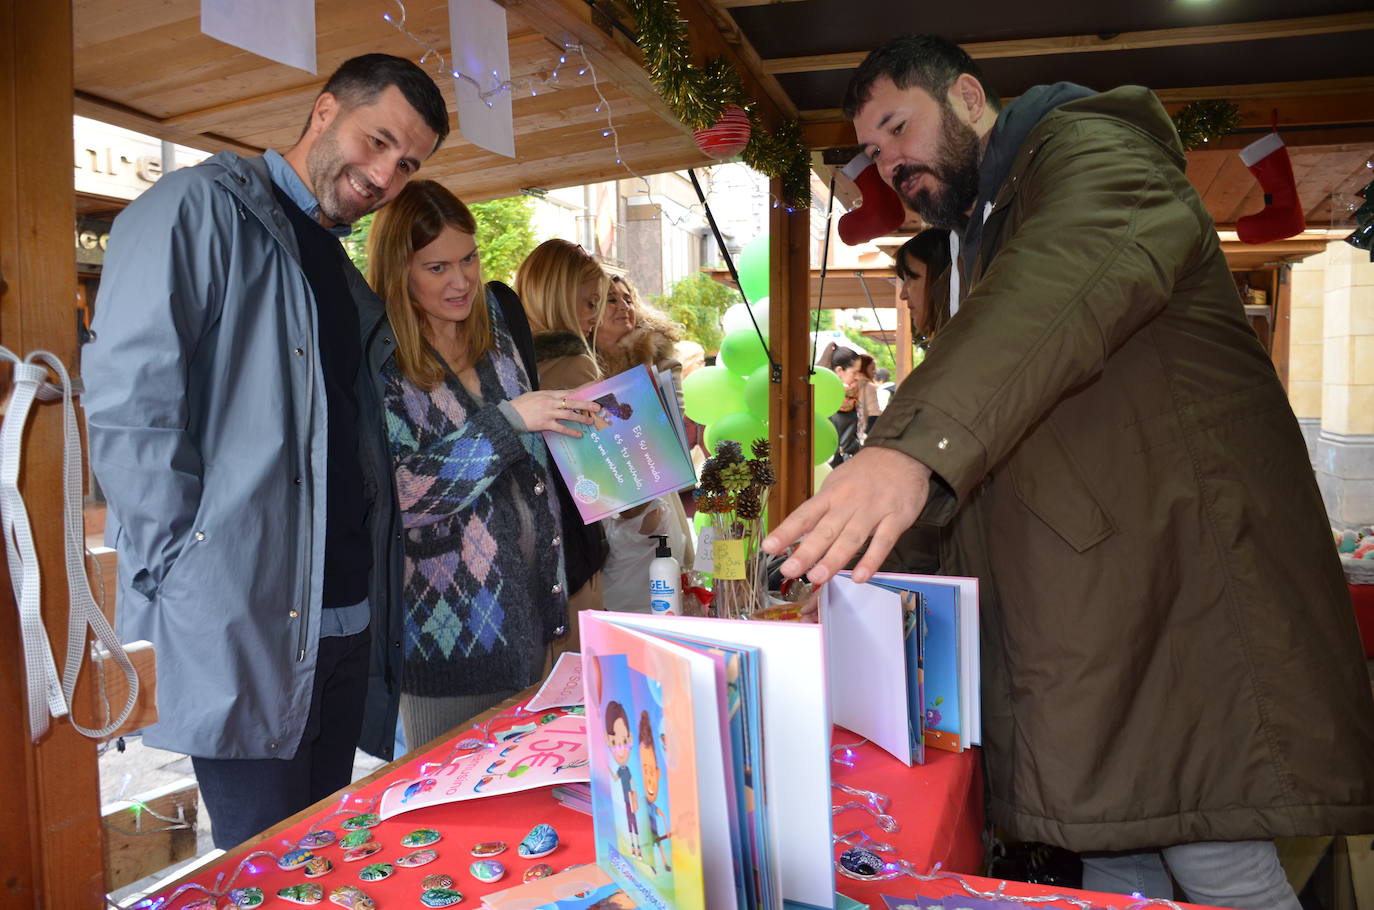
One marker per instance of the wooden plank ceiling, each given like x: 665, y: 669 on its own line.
x: 144, y: 64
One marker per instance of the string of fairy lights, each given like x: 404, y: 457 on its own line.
x: 490, y: 87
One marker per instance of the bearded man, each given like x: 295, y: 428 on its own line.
x: 1171, y: 670
x: 235, y: 429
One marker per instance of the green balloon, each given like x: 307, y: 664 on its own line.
x: 827, y: 392
x: 742, y: 352
x: 756, y: 392
x: 752, y: 266
x: 708, y: 394
x: 742, y: 427
x: 824, y: 439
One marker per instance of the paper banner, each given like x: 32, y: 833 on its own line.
x: 280, y: 30
x: 477, y: 29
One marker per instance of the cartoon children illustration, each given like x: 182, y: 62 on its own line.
x: 648, y: 764
x: 618, y: 741
x: 610, y: 407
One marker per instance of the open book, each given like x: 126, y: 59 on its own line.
x: 691, y: 809
x: 635, y: 451
x: 913, y: 640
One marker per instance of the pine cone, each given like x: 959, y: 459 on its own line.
x: 763, y: 472
x: 761, y: 449
x: 711, y: 480
x: 747, y: 505
x: 737, y: 476
x: 729, y: 452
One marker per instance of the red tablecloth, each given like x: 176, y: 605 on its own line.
x: 1362, y: 597
x: 939, y: 807
x: 946, y: 887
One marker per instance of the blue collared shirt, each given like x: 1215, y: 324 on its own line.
x: 335, y: 622
x: 290, y: 183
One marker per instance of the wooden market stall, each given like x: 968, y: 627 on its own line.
x: 144, y: 64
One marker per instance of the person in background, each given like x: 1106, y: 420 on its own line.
x: 1172, y: 674
x: 484, y: 583
x: 235, y: 428
x: 882, y: 378
x: 563, y: 290
x: 631, y: 333
x: 923, y: 264
x: 859, y: 409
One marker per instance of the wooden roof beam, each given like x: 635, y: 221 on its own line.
x: 1125, y: 41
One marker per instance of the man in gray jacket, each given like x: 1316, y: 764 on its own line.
x: 235, y: 430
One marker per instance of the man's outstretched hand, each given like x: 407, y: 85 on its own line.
x: 878, y: 493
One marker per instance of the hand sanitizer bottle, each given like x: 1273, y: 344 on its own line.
x: 665, y: 580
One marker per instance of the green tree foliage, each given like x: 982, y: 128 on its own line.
x: 505, y: 236
x: 882, y: 354
x: 697, y: 302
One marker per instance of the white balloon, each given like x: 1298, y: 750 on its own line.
x: 737, y: 317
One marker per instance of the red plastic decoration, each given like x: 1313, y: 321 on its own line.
x: 728, y: 137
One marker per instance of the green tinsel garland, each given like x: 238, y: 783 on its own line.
x: 1199, y: 122
x: 697, y: 95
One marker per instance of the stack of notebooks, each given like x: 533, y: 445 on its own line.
x: 634, y: 451
x: 904, y: 661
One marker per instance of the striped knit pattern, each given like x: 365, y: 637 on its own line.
x: 484, y: 582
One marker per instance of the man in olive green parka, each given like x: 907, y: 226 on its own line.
x: 1170, y: 660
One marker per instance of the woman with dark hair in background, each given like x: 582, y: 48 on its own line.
x: 484, y: 582
x: 631, y: 333
x: 923, y: 264
x: 859, y: 409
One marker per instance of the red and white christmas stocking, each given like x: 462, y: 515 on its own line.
x: 1267, y: 158
x: 882, y: 211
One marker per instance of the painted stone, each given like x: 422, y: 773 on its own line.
x: 375, y: 872
x: 436, y: 880
x: 246, y: 897
x: 417, y: 858
x: 313, y: 840
x: 420, y: 837
x: 440, y: 897
x: 861, y: 863
x: 363, y: 852
x: 541, y: 841
x: 537, y: 871
x: 487, y: 870
x: 305, y: 893
x: 489, y: 848
x: 364, y: 820
x: 352, y: 896
x: 294, y: 859
x: 318, y: 866
x: 355, y: 838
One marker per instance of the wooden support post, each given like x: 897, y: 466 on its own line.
x: 789, y: 406
x: 138, y: 844
x: 51, y: 844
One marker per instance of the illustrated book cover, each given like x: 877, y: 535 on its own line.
x: 710, y: 786
x: 634, y: 450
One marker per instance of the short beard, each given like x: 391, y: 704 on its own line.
x: 325, y: 167
x: 956, y: 171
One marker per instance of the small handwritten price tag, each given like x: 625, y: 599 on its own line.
x: 728, y: 556
x: 704, y: 562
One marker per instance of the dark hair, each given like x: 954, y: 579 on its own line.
x: 843, y: 358
x: 646, y: 730
x: 624, y: 411
x: 883, y: 375
x: 615, y: 711
x: 931, y: 246
x: 925, y: 61
x: 358, y: 82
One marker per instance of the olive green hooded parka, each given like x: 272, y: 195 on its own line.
x: 1169, y: 652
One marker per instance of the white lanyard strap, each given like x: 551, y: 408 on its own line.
x: 49, y: 695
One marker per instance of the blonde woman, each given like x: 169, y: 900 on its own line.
x: 563, y: 290
x: 483, y: 583
x: 631, y: 333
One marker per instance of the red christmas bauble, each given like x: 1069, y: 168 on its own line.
x: 728, y: 137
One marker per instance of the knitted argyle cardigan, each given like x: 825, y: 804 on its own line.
x: 484, y: 581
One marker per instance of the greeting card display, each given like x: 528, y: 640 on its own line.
x: 689, y: 806
x: 634, y: 451
x: 552, y: 750
x: 913, y: 639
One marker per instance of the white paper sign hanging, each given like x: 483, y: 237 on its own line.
x: 280, y: 30
x: 477, y: 30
